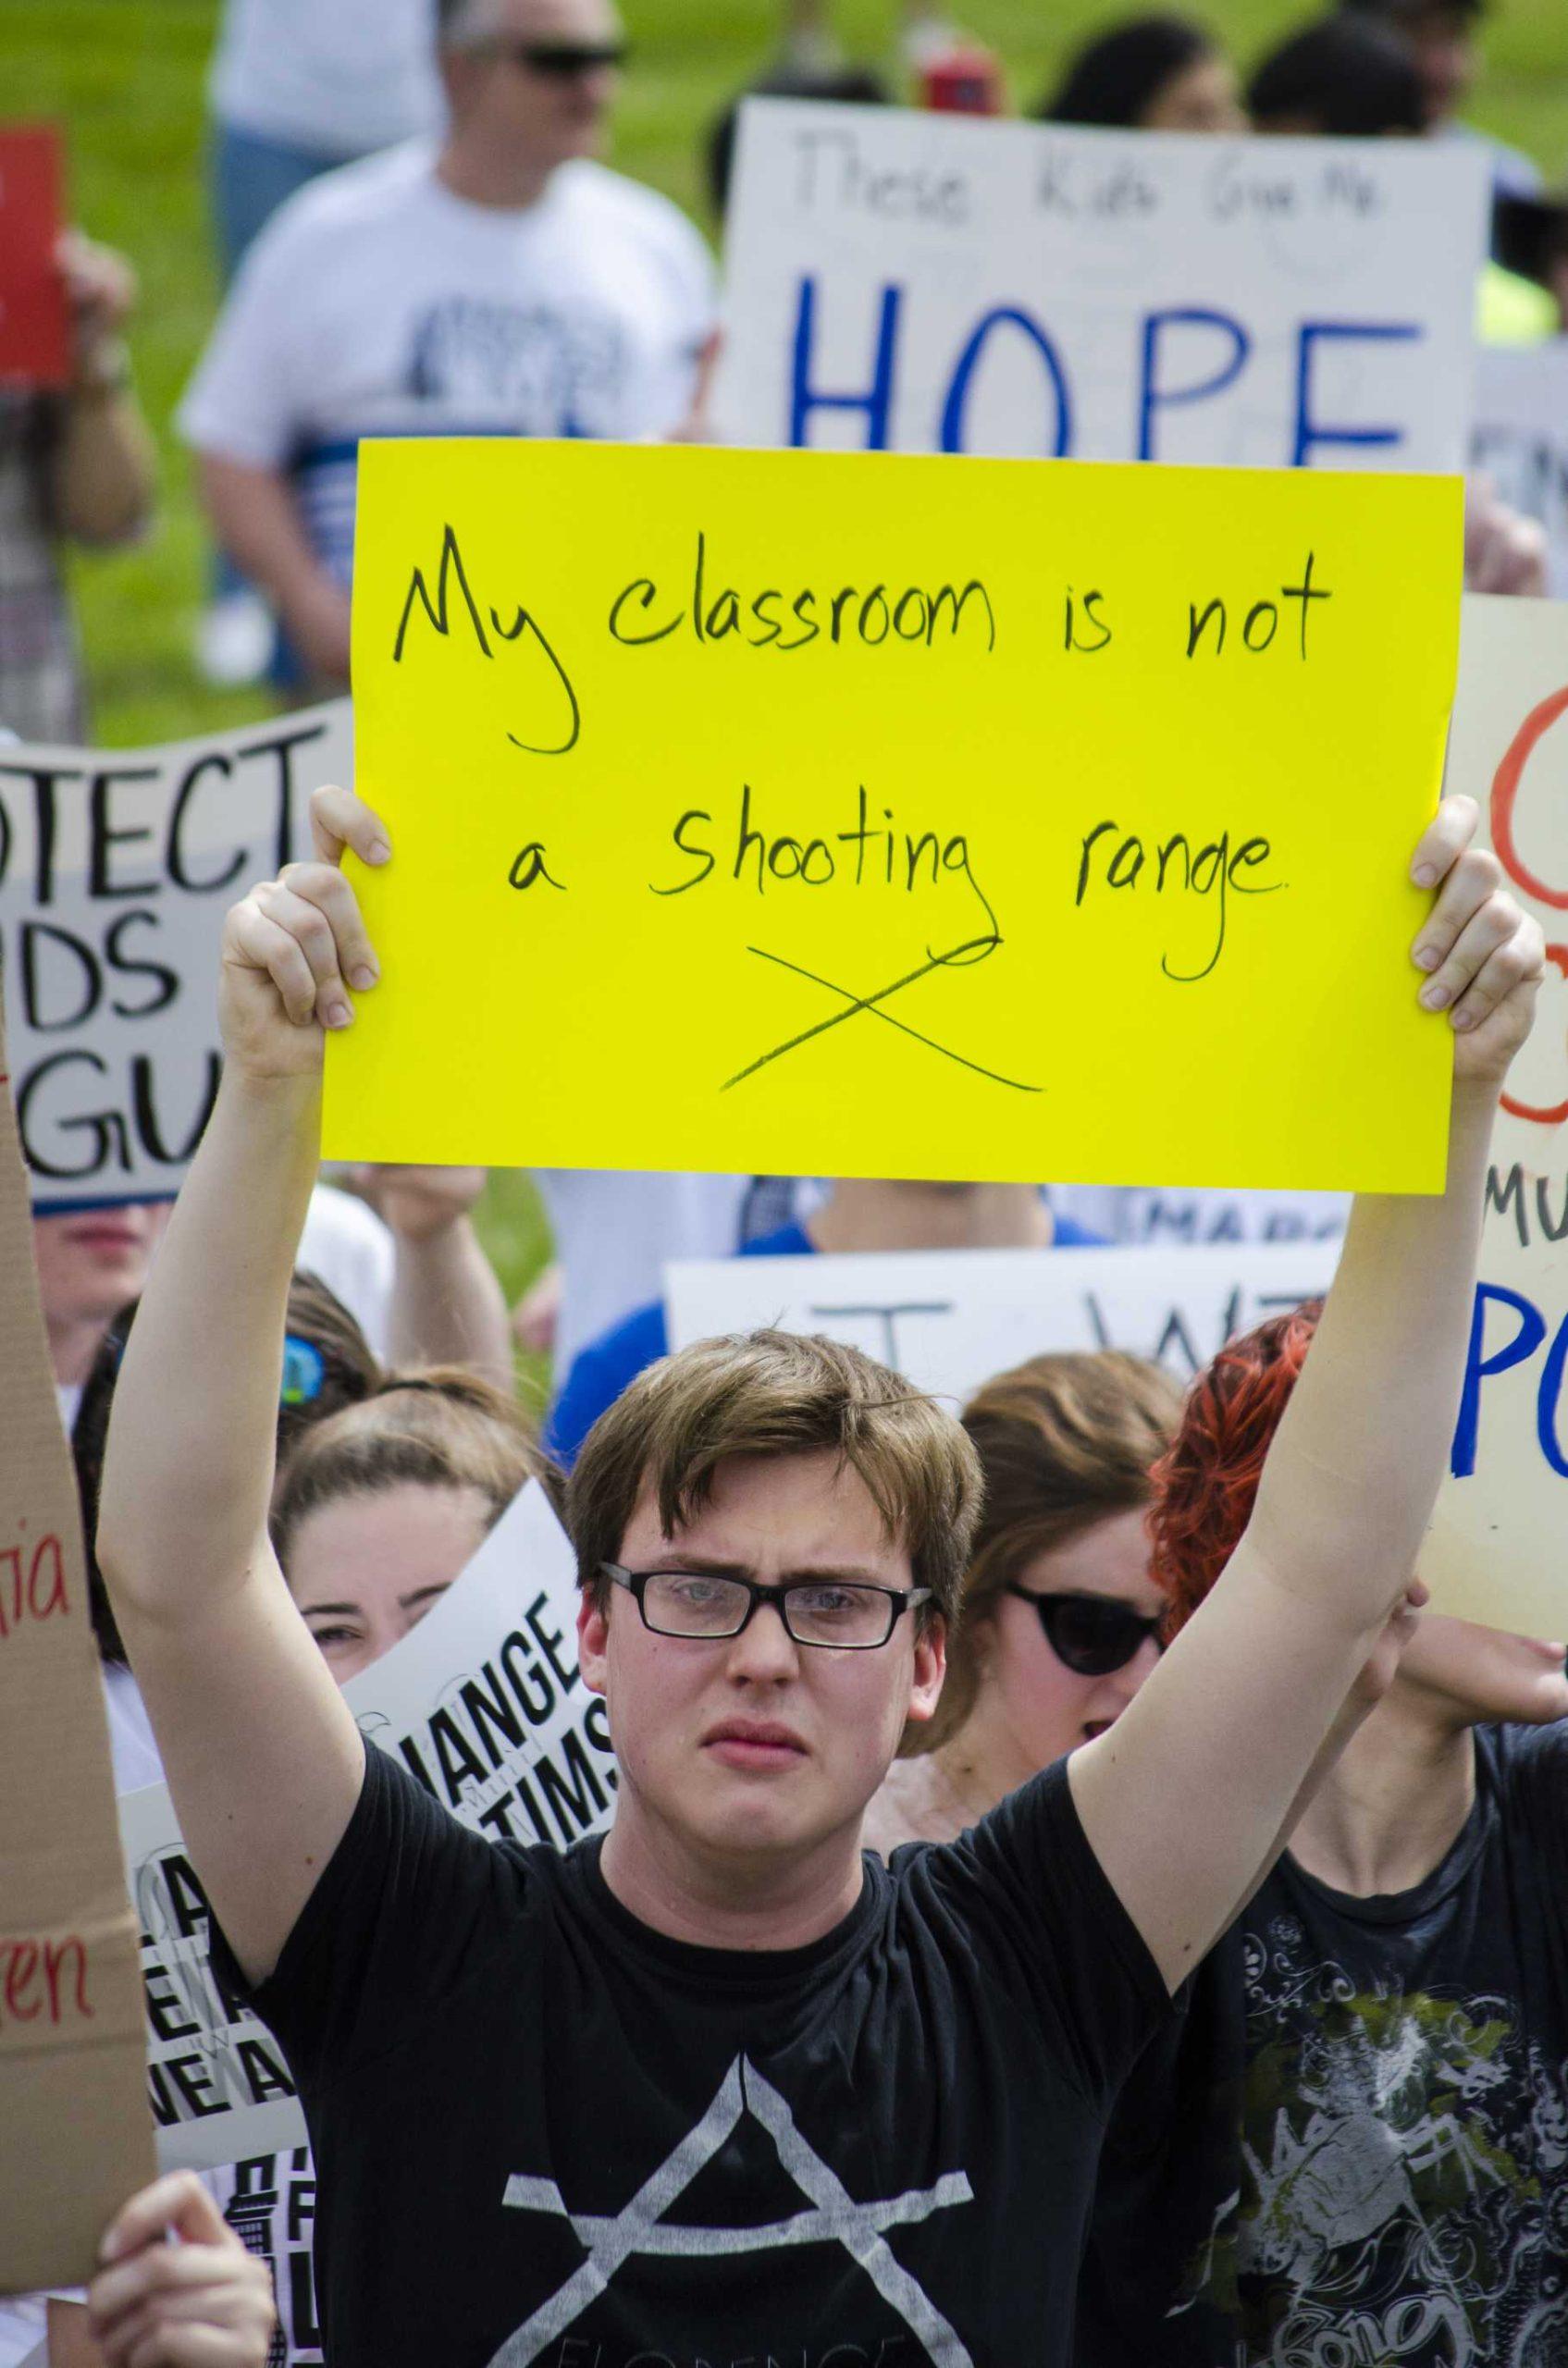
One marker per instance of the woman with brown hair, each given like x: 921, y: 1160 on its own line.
x: 379, y: 1507
x: 1061, y: 1619
x: 388, y: 1483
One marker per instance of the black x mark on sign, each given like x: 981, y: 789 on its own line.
x: 974, y: 949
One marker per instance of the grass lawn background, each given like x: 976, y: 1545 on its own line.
x: 127, y: 77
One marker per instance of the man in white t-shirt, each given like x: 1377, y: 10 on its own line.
x: 299, y: 86
x: 500, y: 283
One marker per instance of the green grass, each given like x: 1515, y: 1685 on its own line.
x: 127, y: 77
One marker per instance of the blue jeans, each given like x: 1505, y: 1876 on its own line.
x: 249, y: 177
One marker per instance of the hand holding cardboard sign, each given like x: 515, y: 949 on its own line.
x: 203, y: 2303
x: 295, y: 945
x: 1486, y: 954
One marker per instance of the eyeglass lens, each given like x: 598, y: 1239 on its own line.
x: 689, y: 1603
x: 1090, y: 1635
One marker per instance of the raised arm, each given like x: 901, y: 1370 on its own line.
x: 256, y: 518
x: 448, y: 1305
x: 1185, y: 1799
x: 263, y: 1759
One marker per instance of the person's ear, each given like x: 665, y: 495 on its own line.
x: 930, y: 1670
x: 593, y: 1642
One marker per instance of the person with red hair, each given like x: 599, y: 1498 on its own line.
x: 1362, y: 2122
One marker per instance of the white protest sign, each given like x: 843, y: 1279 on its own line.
x: 948, y: 1319
x: 1519, y: 438
x: 1496, y: 1549
x: 115, y: 871
x: 936, y: 283
x: 484, y: 1704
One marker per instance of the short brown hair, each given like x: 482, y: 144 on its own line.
x: 1064, y: 1442
x: 771, y: 1394
x: 441, y: 1428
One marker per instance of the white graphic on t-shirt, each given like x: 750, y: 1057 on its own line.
x: 836, y: 2218
x: 1403, y: 2153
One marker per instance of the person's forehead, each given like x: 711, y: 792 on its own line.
x: 772, y: 1512
x: 1110, y: 1558
x: 551, y: 20
x: 382, y: 1545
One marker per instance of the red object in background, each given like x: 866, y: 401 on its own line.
x: 964, y: 79
x: 35, y: 330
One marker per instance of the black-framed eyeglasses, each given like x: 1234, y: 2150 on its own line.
x: 561, y: 59
x: 836, y: 1615
x: 1090, y: 1635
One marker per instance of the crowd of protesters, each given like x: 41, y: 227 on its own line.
x: 1193, y: 1738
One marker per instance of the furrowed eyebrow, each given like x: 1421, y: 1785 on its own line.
x: 703, y: 1567
x: 337, y: 1610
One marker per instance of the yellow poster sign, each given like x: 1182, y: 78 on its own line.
x: 899, y: 816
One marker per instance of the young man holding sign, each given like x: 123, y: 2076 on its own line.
x: 724, y: 2090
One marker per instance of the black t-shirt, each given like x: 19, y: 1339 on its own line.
x: 544, y: 2133
x: 1355, y: 2152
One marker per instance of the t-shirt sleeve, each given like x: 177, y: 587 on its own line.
x: 1535, y: 1764
x: 694, y: 283
x: 403, y: 1906
x: 242, y: 405
x: 1038, y: 1904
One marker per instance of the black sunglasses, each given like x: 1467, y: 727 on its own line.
x: 1090, y: 1635
x: 561, y: 59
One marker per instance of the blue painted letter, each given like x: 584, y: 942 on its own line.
x: 1547, y: 1401
x: 877, y: 404
x: 1478, y: 1368
x: 957, y: 393
x: 1152, y: 397
x: 1345, y: 333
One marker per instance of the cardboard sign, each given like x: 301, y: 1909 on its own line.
x: 115, y: 872
x: 482, y: 1702
x: 1520, y: 439
x: 1496, y: 1549
x: 788, y: 812
x: 933, y: 283
x: 950, y: 1319
x: 35, y: 335
x: 77, y: 2138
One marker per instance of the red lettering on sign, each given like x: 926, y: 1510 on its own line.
x: 47, y: 1977
x: 1557, y: 1115
x: 59, y: 1961
x: 1505, y: 790
x: 21, y: 1970
x: 33, y: 1583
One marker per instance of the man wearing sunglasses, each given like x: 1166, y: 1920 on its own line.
x: 498, y: 282
x: 721, y: 2090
